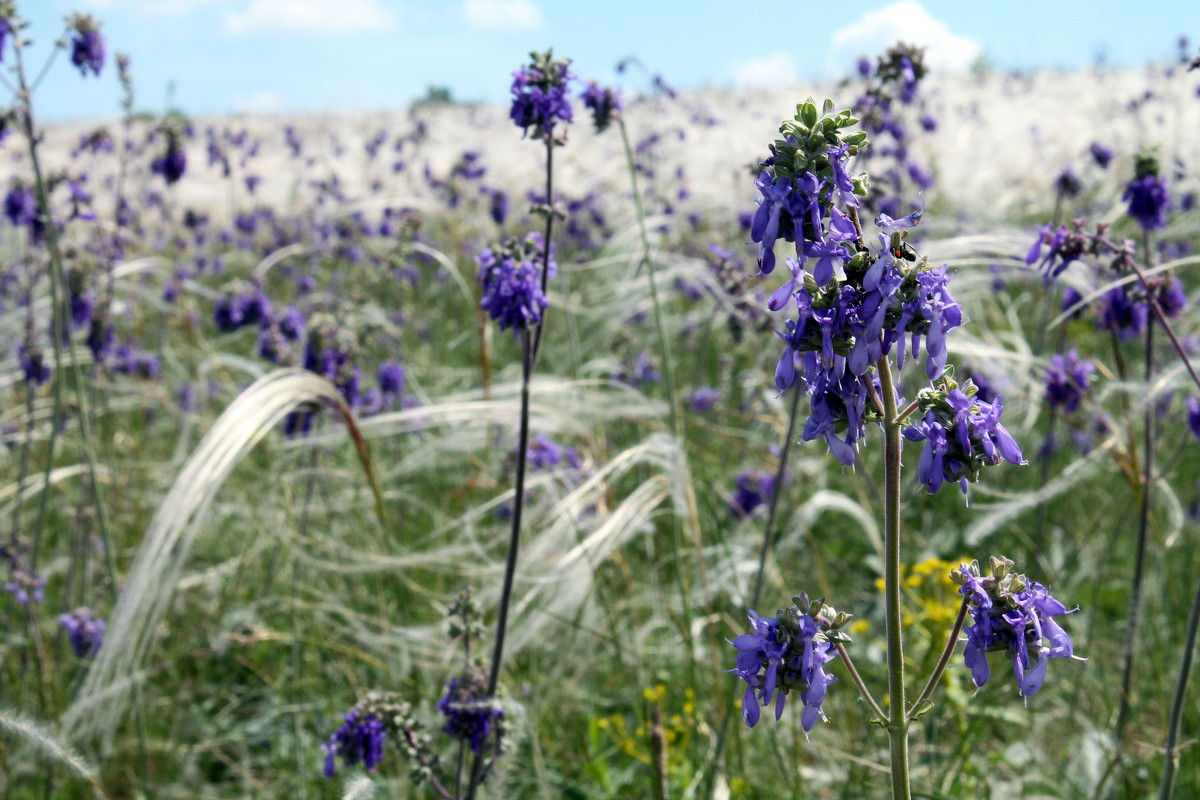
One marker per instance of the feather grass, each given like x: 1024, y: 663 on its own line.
x: 156, y: 568
x: 359, y: 789
x: 36, y: 735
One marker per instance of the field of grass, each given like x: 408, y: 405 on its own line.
x: 268, y: 545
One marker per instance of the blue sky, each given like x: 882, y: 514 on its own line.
x: 321, y: 55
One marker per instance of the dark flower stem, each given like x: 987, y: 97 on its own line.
x: 530, y: 345
x: 1139, y: 564
x: 510, y: 564
x: 60, y: 316
x: 897, y: 722
x: 1185, y: 669
x: 947, y: 653
x: 550, y: 212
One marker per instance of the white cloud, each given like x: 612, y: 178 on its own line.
x: 773, y: 70
x: 309, y: 16
x: 905, y: 21
x: 502, y: 14
x: 259, y: 103
x: 152, y: 8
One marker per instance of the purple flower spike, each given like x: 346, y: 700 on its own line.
x: 470, y: 717
x: 511, y: 279
x: 85, y: 631
x: 87, y: 45
x: 357, y: 740
x: 1148, y: 201
x: 1067, y: 380
x: 539, y: 93
x: 1009, y: 612
x: 784, y: 654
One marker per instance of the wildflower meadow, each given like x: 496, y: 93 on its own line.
x: 839, y: 440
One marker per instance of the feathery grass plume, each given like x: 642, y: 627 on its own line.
x: 155, y: 570
x: 359, y: 789
x: 36, y: 735
x: 34, y: 484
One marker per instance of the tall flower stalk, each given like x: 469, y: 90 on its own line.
x: 856, y: 313
x: 514, y: 294
x: 87, y: 55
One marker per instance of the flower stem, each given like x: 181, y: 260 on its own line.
x: 514, y: 541
x: 951, y: 643
x: 60, y: 321
x: 863, y: 691
x: 1139, y: 564
x: 1189, y: 647
x: 531, y: 342
x: 897, y: 723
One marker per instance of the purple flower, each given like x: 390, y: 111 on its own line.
x: 85, y: 631
x: 931, y: 470
x: 511, y: 281
x: 171, y: 164
x: 539, y: 93
x: 498, y: 206
x: 1172, y: 298
x: 889, y: 226
x: 87, y: 45
x: 1067, y: 380
x: 392, y: 378
x: 831, y: 253
x: 186, y: 395
x: 764, y: 228
x: 357, y: 740
x: 1100, y: 154
x: 604, y: 103
x: 753, y: 490
x: 780, y: 655
x: 1116, y: 311
x: 21, y: 207
x: 1148, y: 201
x: 640, y: 371
x: 130, y: 361
x: 34, y: 365
x: 1067, y: 183
x: 544, y: 453
x: 234, y: 311
x: 704, y: 398
x: 470, y: 715
x: 962, y: 434
x: 843, y: 182
x: 1011, y: 613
